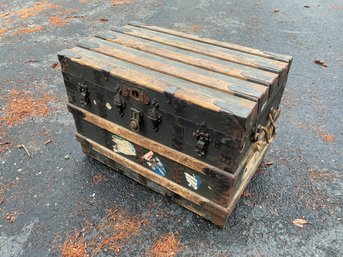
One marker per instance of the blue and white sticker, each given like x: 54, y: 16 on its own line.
x: 193, y: 181
x: 155, y: 164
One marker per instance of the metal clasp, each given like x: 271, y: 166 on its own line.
x: 203, y: 139
x: 154, y: 115
x: 135, y: 120
x: 119, y: 102
x: 84, y: 94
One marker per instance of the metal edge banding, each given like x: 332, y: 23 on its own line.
x: 106, y: 71
x: 120, y: 29
x: 224, y: 106
x: 181, y: 158
x: 247, y: 95
x: 87, y: 44
x: 259, y: 81
x: 172, y: 186
x: 68, y: 53
x: 105, y: 35
x: 170, y: 90
x: 169, y: 93
x: 137, y: 23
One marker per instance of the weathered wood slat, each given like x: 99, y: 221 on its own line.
x: 185, y: 91
x: 187, y: 116
x: 188, y: 194
x: 205, y: 210
x: 248, y: 50
x: 140, y: 79
x: 226, y: 84
x: 195, y: 59
x: 211, y: 50
x: 135, y: 138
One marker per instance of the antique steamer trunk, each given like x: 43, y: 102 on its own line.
x: 186, y: 116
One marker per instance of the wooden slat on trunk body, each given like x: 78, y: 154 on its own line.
x: 195, y: 59
x: 135, y: 138
x: 184, y: 90
x: 215, y: 186
x: 211, y: 50
x: 249, y: 171
x: 205, y: 210
x: 216, y: 81
x: 221, y: 213
x: 266, y: 54
x: 191, y: 196
x: 223, y: 128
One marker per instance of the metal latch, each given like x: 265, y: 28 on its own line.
x: 203, y: 139
x: 266, y: 133
x: 135, y: 120
x: 84, y: 94
x: 154, y: 115
x: 119, y: 102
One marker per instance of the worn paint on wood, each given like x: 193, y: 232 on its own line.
x: 177, y: 111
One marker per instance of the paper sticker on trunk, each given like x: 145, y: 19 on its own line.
x: 155, y: 164
x: 193, y: 181
x: 123, y: 146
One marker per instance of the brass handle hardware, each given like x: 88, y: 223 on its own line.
x: 265, y: 134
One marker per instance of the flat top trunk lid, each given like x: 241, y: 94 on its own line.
x: 212, y: 74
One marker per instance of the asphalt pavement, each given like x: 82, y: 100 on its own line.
x: 56, y: 201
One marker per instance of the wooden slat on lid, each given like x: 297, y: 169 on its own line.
x: 207, y: 49
x: 133, y: 73
x: 266, y: 54
x: 190, y: 73
x: 203, y: 61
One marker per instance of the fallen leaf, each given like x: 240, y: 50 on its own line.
x: 58, y: 21
x: 3, y: 30
x: 325, y: 136
x: 196, y: 28
x: 336, y: 7
x: 31, y: 61
x: 300, y: 222
x: 268, y: 163
x: 322, y: 63
x: 29, y: 29
x: 54, y: 65
x: 48, y: 142
x: 11, y: 217
x: 247, y: 194
x: 117, y: 2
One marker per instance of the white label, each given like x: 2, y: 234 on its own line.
x: 123, y: 146
x: 108, y: 106
x: 193, y: 181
